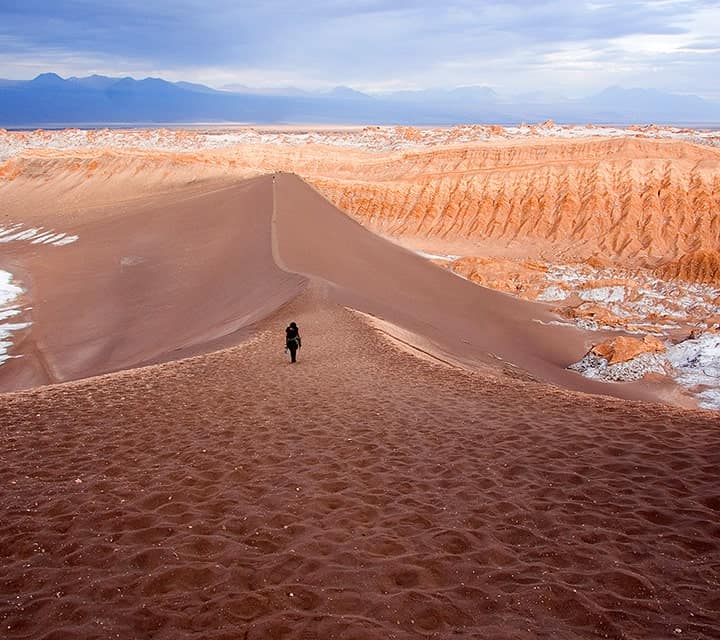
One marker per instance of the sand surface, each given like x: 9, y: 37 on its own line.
x: 363, y: 492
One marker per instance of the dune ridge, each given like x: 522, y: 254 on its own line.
x: 185, y: 273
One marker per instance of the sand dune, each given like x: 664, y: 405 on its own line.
x: 149, y: 282
x: 161, y: 279
x: 419, y: 473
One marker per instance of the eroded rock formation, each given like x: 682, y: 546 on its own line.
x: 623, y: 348
x: 698, y: 266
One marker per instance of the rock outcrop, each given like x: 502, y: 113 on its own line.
x: 698, y: 266
x: 623, y: 348
x: 636, y: 201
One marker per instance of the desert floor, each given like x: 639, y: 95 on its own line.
x: 360, y: 493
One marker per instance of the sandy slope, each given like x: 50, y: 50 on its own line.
x: 148, y: 281
x: 362, y: 493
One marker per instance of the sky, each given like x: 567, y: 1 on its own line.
x: 560, y: 47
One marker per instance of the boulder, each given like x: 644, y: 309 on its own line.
x: 623, y: 348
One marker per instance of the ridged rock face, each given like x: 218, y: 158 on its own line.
x: 623, y: 349
x: 526, y: 278
x: 638, y: 202
x: 629, y: 200
x: 698, y: 266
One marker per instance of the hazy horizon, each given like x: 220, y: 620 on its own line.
x: 572, y: 49
x: 528, y: 96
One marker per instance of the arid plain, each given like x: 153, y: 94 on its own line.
x: 503, y: 422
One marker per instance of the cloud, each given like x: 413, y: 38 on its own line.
x: 365, y: 43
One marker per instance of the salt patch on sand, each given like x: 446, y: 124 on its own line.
x: 8, y: 293
x: 553, y: 294
x: 377, y: 139
x: 437, y: 256
x: 597, y: 367
x: 35, y: 235
x: 697, y: 366
x: 603, y: 294
x: 633, y: 296
x: 693, y: 363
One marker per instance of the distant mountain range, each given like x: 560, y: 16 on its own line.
x: 50, y: 99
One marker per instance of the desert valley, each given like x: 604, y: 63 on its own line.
x: 503, y: 421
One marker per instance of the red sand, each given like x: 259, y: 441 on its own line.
x: 362, y: 493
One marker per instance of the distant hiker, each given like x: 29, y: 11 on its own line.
x: 292, y: 340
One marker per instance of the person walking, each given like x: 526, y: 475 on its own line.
x: 292, y: 341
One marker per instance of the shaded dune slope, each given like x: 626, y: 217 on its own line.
x: 185, y: 274
x: 466, y: 323
x: 147, y: 283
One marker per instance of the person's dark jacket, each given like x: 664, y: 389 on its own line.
x: 292, y: 338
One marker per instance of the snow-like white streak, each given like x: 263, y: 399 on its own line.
x: 437, y: 256
x: 54, y: 238
x: 9, y: 230
x: 603, y: 294
x: 42, y: 237
x: 35, y: 235
x: 9, y: 292
x: 65, y: 240
x: 9, y: 313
